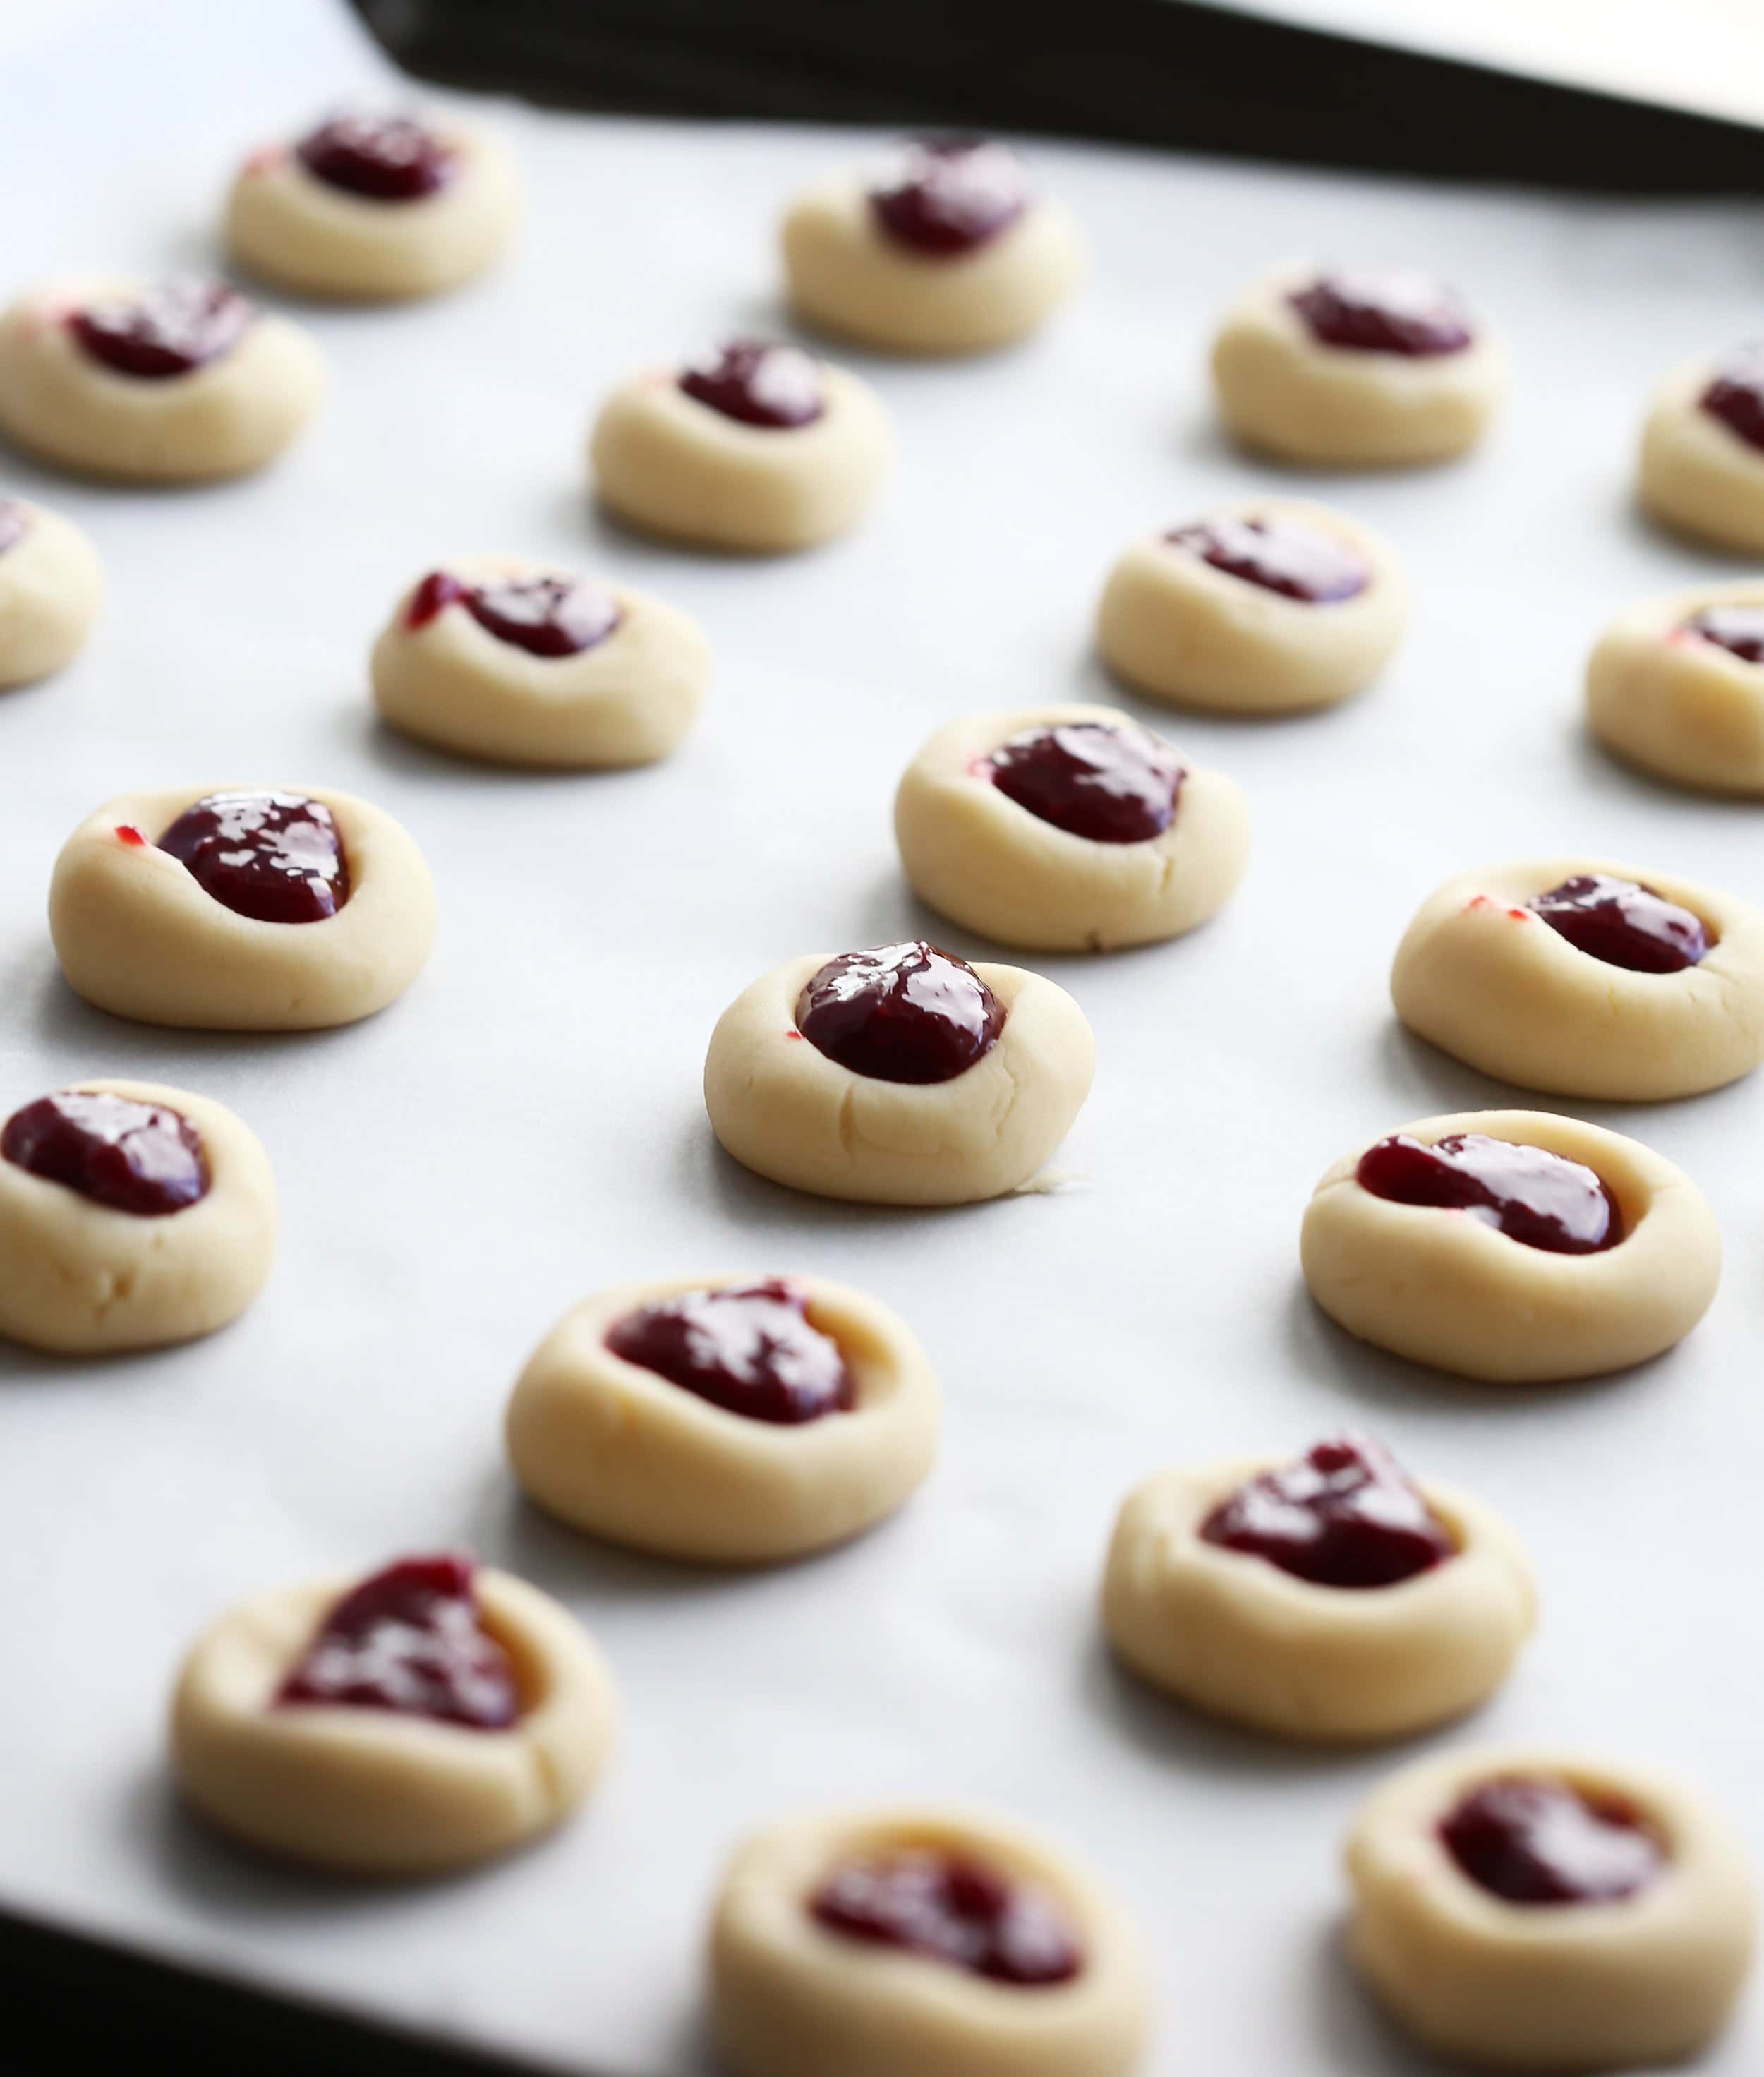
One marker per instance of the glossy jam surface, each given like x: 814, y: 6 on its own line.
x: 173, y: 328
x: 900, y: 1013
x: 749, y: 1348
x: 410, y: 1640
x: 1298, y: 561
x: 1112, y: 784
x: 944, y: 196
x: 546, y: 616
x: 274, y: 856
x: 1540, y: 1841
x: 775, y: 387
x: 134, y: 1157
x: 1542, y: 1199
x: 1401, y: 311
x: 956, y: 1911
x: 384, y: 158
x: 1346, y: 1515
x: 1623, y: 924
x: 15, y: 523
x: 1737, y: 629
x: 1735, y: 394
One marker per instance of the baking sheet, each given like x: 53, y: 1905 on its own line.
x: 527, y: 1125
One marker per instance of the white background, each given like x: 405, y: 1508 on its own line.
x: 527, y: 1125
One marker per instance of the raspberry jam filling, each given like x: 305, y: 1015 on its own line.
x: 1623, y: 924
x: 409, y: 1639
x: 1737, y: 629
x: 135, y: 1157
x: 1112, y: 783
x: 777, y: 387
x: 172, y: 328
x: 1536, y: 1841
x: 548, y: 616
x: 1735, y: 394
x: 944, y: 196
x: 15, y: 523
x: 952, y: 1909
x: 277, y: 857
x: 1279, y: 554
x: 749, y: 1349
x: 900, y: 1013
x: 1400, y: 311
x: 383, y: 158
x: 1346, y: 1515
x: 1542, y: 1199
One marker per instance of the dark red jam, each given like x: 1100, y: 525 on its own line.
x: 1529, y: 1194
x: 749, y: 1349
x: 1623, y: 924
x: 1346, y: 1515
x: 1297, y: 561
x: 170, y: 328
x: 1112, y: 784
x: 1735, y: 394
x: 1737, y: 629
x: 15, y: 523
x: 1533, y: 1842
x: 945, y: 196
x: 778, y: 387
x: 953, y: 1910
x: 131, y: 1157
x: 384, y: 158
x: 900, y: 1013
x: 410, y: 1639
x: 545, y: 616
x: 274, y: 856
x: 1402, y: 311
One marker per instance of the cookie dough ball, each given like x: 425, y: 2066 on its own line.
x: 1587, y: 979
x: 1356, y: 370
x: 175, y: 381
x: 899, y: 1075
x: 519, y: 664
x: 750, y: 447
x: 373, y: 208
x: 1511, y: 1246
x: 1536, y: 1910
x: 734, y: 1421
x: 50, y: 588
x: 946, y: 249
x: 922, y: 1939
x: 1067, y: 829
x: 1329, y: 1599
x: 1676, y: 688
x: 242, y: 910
x: 1267, y: 606
x: 423, y: 1719
x: 1703, y: 450
x: 131, y: 1216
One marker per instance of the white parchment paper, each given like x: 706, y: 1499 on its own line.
x: 527, y: 1125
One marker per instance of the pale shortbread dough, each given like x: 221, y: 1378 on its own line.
x: 370, y: 1792
x: 1173, y: 626
x: 1445, y: 1288
x: 1288, y: 393
x: 1697, y: 474
x: 51, y: 585
x: 137, y: 935
x: 286, y: 225
x: 628, y: 699
x: 672, y: 466
x: 229, y: 416
x: 975, y: 855
x: 81, y: 1278
x: 847, y: 276
x: 1686, y: 709
x: 1490, y: 983
x: 1641, y: 1982
x: 783, y: 1988
x: 1235, y: 1635
x: 785, y: 1110
x: 616, y: 1450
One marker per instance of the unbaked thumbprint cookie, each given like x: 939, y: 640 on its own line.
x: 1675, y: 688
x: 51, y: 585
x: 1702, y: 471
